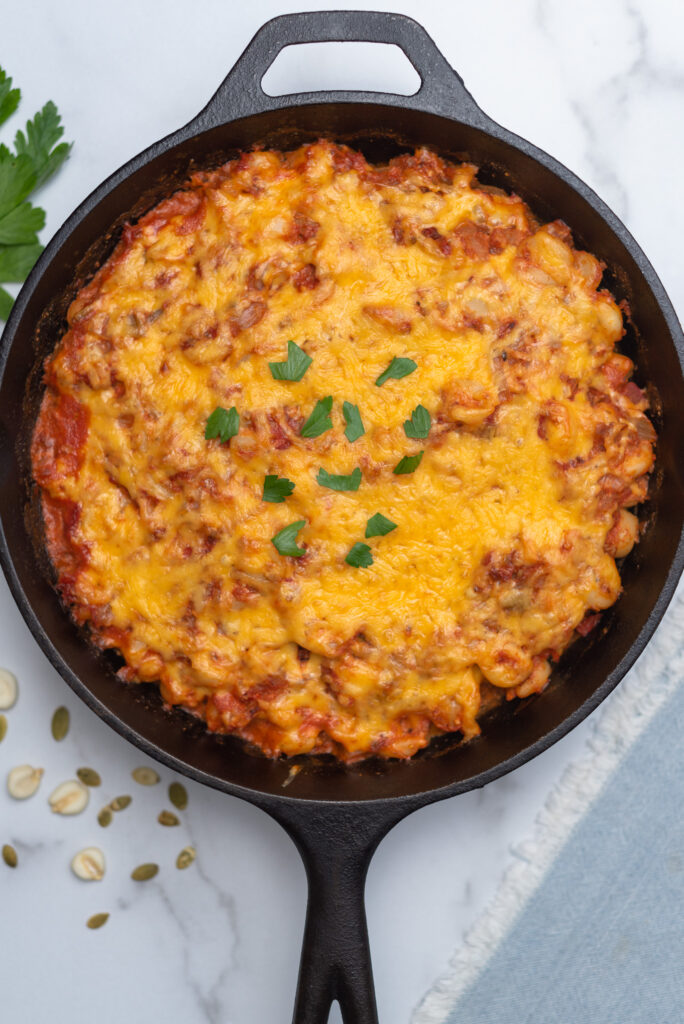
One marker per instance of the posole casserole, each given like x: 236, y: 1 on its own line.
x: 229, y: 450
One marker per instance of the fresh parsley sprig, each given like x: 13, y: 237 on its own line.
x: 419, y: 424
x: 408, y: 464
x: 379, y: 526
x: 223, y: 423
x: 37, y: 155
x: 334, y: 482
x: 319, y: 421
x: 360, y: 556
x: 398, y: 368
x: 352, y: 417
x: 294, y: 367
x: 277, y: 488
x: 285, y: 540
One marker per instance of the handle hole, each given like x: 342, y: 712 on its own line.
x: 368, y: 67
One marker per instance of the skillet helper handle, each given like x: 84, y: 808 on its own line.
x: 335, y: 961
x: 241, y: 92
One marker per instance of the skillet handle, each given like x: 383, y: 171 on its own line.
x: 336, y: 842
x: 441, y: 89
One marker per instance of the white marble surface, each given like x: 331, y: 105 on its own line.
x: 599, y: 85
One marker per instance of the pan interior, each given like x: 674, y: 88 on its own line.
x: 512, y: 733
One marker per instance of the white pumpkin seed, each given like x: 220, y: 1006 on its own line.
x: 3, y: 727
x: 97, y: 920
x: 178, y: 795
x: 69, y: 798
x: 185, y: 857
x: 145, y: 776
x: 9, y: 855
x: 89, y: 864
x: 23, y: 781
x: 60, y: 724
x: 8, y: 689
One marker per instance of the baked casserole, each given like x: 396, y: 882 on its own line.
x: 332, y: 451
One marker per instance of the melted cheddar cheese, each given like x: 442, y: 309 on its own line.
x: 507, y: 531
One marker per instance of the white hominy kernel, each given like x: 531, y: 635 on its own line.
x: 89, y: 864
x: 69, y: 798
x: 23, y: 781
x: 8, y: 689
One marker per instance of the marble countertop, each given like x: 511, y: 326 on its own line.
x: 601, y: 86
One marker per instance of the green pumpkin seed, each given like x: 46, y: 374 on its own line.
x: 89, y: 777
x: 185, y: 857
x: 3, y: 727
x: 144, y: 872
x: 97, y: 920
x: 9, y: 855
x: 178, y: 795
x: 145, y: 776
x: 120, y: 803
x: 104, y: 818
x: 168, y: 818
x: 60, y: 724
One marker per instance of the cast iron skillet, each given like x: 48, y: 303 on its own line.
x: 337, y: 816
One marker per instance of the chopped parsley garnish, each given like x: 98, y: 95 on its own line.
x: 352, y: 417
x: 294, y: 367
x: 36, y: 157
x: 398, y: 368
x: 277, y: 489
x: 408, y: 464
x: 419, y: 424
x: 319, y: 421
x: 223, y: 423
x: 351, y: 482
x: 360, y: 556
x: 285, y: 541
x: 379, y: 525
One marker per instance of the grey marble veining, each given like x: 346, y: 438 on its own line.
x: 601, y: 86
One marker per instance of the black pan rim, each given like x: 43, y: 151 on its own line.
x: 258, y: 796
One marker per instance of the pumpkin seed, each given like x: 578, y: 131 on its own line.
x: 97, y: 920
x: 69, y: 798
x: 144, y: 872
x: 9, y: 855
x: 104, y: 818
x: 120, y: 803
x: 89, y: 864
x: 185, y: 857
x: 89, y: 777
x: 168, y: 818
x: 8, y: 689
x: 178, y: 795
x: 3, y: 727
x: 60, y: 724
x: 145, y: 776
x: 23, y: 781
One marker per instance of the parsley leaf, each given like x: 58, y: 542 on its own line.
x: 352, y: 417
x: 294, y: 367
x: 360, y: 556
x: 277, y: 488
x: 17, y: 180
x: 36, y: 157
x: 285, y: 541
x: 379, y: 525
x: 17, y: 260
x: 350, y: 482
x: 6, y: 303
x: 19, y: 226
x: 419, y: 424
x: 9, y: 97
x: 319, y: 421
x: 408, y: 464
x: 41, y: 135
x: 398, y: 368
x: 223, y: 423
